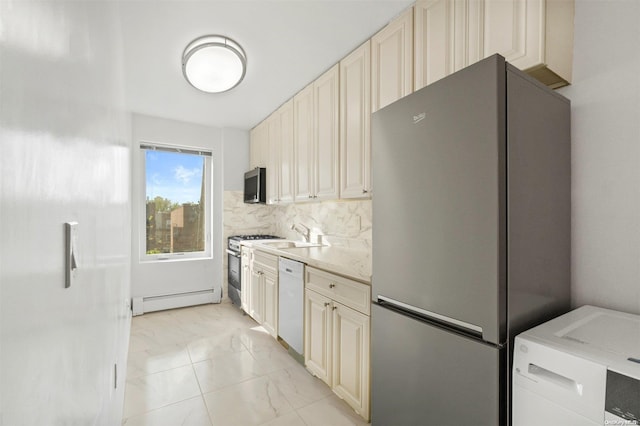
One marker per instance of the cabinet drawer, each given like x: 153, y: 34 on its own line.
x: 265, y: 261
x: 350, y: 293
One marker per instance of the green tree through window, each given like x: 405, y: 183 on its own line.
x: 176, y: 200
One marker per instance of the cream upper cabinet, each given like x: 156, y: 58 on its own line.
x: 392, y: 61
x: 287, y: 159
x: 316, y: 139
x: 355, y: 131
x: 535, y: 36
x: 325, y: 165
x: 303, y: 143
x: 259, y: 146
x: 434, y: 37
x: 273, y: 158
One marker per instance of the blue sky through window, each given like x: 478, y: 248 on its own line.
x: 174, y: 175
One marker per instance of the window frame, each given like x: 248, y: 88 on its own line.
x: 207, y: 253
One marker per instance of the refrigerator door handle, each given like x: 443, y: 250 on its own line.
x: 469, y: 328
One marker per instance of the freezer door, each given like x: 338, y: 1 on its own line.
x: 423, y: 375
x: 438, y: 198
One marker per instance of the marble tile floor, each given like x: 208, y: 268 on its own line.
x: 210, y: 365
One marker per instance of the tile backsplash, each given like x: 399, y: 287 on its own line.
x: 342, y: 223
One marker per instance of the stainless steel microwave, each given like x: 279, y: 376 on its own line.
x: 255, y: 186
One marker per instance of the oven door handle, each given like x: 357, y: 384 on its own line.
x: 233, y: 253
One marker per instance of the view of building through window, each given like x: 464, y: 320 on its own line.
x: 175, y: 202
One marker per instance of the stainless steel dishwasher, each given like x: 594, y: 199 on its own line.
x: 291, y: 304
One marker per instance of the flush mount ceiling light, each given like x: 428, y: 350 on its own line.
x: 214, y: 63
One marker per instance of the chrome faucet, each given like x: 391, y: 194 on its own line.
x: 302, y: 230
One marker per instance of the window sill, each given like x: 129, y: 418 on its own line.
x: 174, y: 258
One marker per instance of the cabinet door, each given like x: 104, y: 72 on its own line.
x: 317, y: 335
x: 434, y: 41
x: 270, y: 317
x: 303, y: 142
x: 351, y: 331
x: 256, y: 298
x: 273, y: 157
x: 392, y: 61
x: 355, y: 131
x: 287, y: 159
x: 514, y: 29
x: 245, y: 279
x: 326, y: 140
x: 259, y: 138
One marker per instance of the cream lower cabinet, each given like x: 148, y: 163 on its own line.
x: 270, y: 317
x: 263, y: 293
x: 337, y: 336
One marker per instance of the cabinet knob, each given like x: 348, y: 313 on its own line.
x: 332, y: 285
x: 310, y: 196
x: 334, y: 308
x: 326, y: 303
x: 364, y: 191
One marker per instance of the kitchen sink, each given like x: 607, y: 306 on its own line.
x: 287, y: 244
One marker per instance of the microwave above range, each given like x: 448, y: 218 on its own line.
x: 255, y: 186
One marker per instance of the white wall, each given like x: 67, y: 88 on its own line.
x: 605, y: 97
x: 64, y: 157
x: 236, y: 158
x: 170, y: 277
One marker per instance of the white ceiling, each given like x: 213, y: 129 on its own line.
x: 288, y: 44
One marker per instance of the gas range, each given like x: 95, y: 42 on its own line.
x: 234, y: 263
x: 233, y: 242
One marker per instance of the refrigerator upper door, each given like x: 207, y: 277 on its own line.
x: 424, y: 375
x: 439, y: 195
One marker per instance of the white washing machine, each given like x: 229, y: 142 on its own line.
x: 582, y: 368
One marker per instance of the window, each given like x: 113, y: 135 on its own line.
x: 177, y: 203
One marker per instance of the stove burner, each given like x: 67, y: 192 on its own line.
x: 233, y: 242
x: 253, y: 237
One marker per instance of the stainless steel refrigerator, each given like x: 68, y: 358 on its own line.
x: 471, y: 241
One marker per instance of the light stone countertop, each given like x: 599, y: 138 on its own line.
x: 351, y: 263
